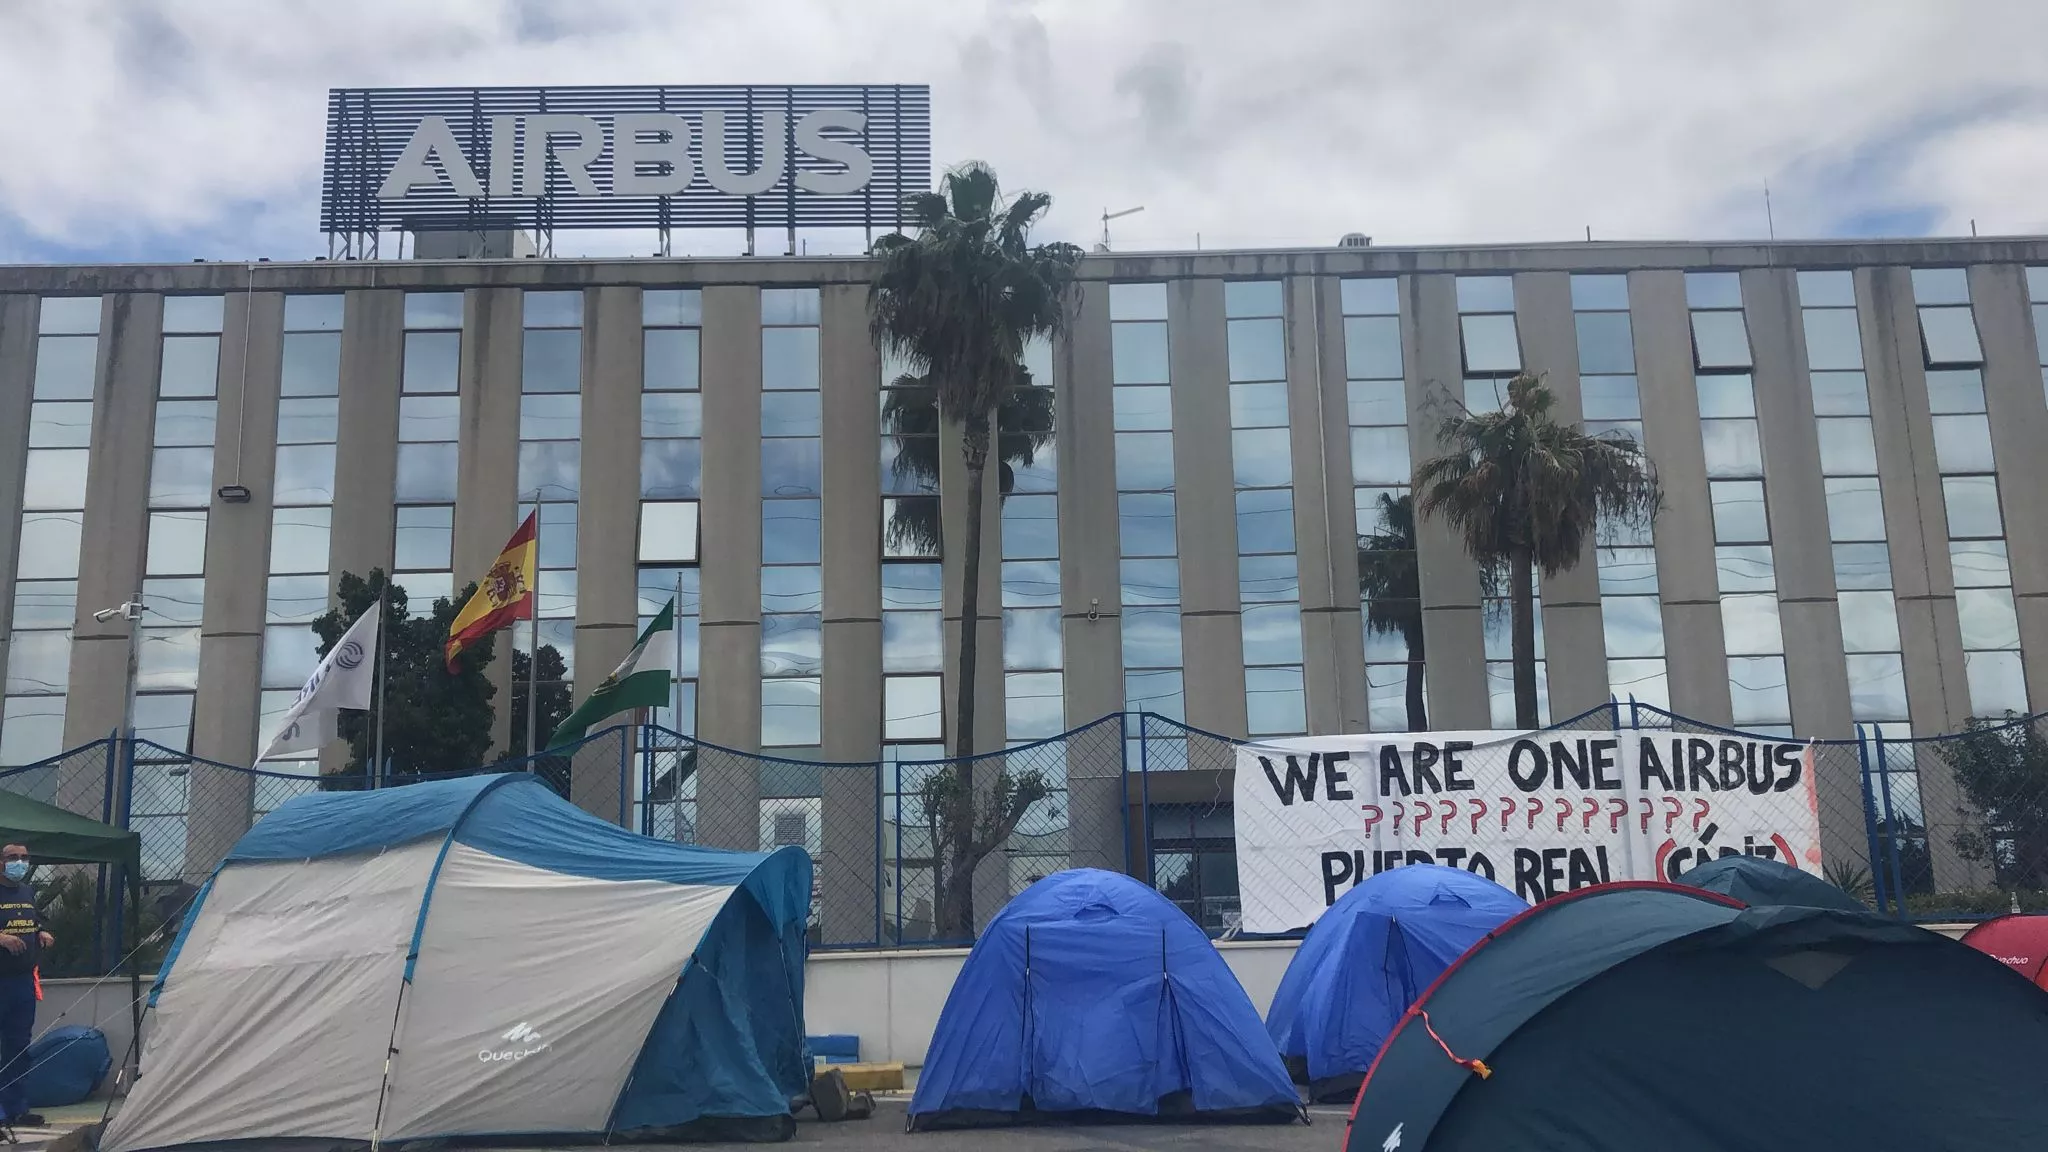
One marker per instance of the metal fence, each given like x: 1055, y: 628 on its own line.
x: 918, y: 852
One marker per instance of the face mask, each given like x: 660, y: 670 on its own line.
x: 17, y: 870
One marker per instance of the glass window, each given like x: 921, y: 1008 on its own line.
x: 1955, y: 391
x: 1486, y: 294
x: 789, y: 532
x: 1846, y: 447
x: 1998, y: 682
x: 1144, y: 461
x: 1723, y: 396
x: 305, y: 474
x: 69, y: 315
x: 552, y: 467
x: 1137, y: 301
x: 1490, y: 343
x: 1941, y: 286
x: 181, y: 477
x: 671, y: 468
x: 1720, y: 340
x: 1756, y: 686
x: 426, y: 473
x: 433, y: 309
x: 1600, y: 290
x: 1605, y: 343
x: 1272, y: 633
x: 1253, y: 405
x: 169, y: 660
x: 298, y: 539
x: 1266, y: 579
x: 1950, y: 335
x: 1643, y: 681
x: 1628, y: 571
x: 1151, y: 637
x: 1030, y: 526
x: 433, y: 360
x: 789, y: 711
x: 1827, y: 290
x: 1877, y: 685
x: 1372, y: 347
x: 60, y: 424
x: 1988, y: 618
x: 1380, y: 455
x: 38, y: 662
x: 1739, y: 515
x: 1138, y: 353
x: 1840, y: 394
x: 1380, y: 297
x: 789, y: 359
x: 1031, y: 638
x: 184, y: 423
x: 675, y: 307
x: 1376, y: 402
x: 912, y: 708
x: 45, y: 603
x: 1713, y: 290
x: 312, y: 364
x: 1034, y: 705
x: 31, y: 729
x: 1150, y: 582
x: 1972, y: 503
x: 789, y: 306
x: 1832, y: 339
x: 1732, y: 448
x: 794, y: 467
x: 1026, y: 584
x: 1750, y: 622
x: 1142, y: 409
x: 313, y: 314
x: 782, y: 413
x: 1745, y: 568
x: 1265, y: 521
x: 1980, y: 563
x: 1634, y: 626
x: 49, y: 546
x: 551, y: 360
x: 1145, y: 523
x: 1963, y: 443
x: 1274, y: 701
x: 671, y: 359
x: 177, y: 543
x: 1855, y: 508
x: 1260, y: 458
x: 913, y: 641
x: 1867, y: 566
x: 307, y: 420
x: 190, y: 367
x: 791, y: 644
x: 553, y: 309
x: 64, y: 367
x: 1870, y: 621
x: 424, y: 538
x: 297, y: 599
x: 430, y: 418
x: 290, y: 653
x: 1257, y: 349
x: 55, y: 478
x: 1246, y: 298
x: 1610, y: 398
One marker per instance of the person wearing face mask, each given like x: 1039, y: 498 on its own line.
x: 22, y: 941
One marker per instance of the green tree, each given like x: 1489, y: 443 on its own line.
x: 552, y: 695
x: 433, y: 722
x: 2002, y: 768
x: 910, y: 416
x: 1390, y: 583
x: 958, y: 302
x: 1525, y: 493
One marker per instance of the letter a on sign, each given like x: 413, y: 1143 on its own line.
x: 432, y: 138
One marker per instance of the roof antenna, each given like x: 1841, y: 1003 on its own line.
x: 1107, y: 216
x: 1769, y: 222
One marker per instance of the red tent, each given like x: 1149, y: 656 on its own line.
x: 2020, y: 940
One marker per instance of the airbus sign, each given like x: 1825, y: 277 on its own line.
x: 651, y: 156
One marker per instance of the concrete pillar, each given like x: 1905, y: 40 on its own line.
x: 1454, y: 638
x: 1325, y: 533
x: 1574, y: 637
x: 729, y: 684
x: 17, y: 378
x: 850, y: 709
x: 1205, y: 507
x: 1695, y: 650
x: 116, y: 515
x: 1916, y: 527
x: 487, y: 474
x: 225, y: 712
x: 1816, y: 675
x: 607, y: 530
x: 2019, y: 427
x: 1091, y: 588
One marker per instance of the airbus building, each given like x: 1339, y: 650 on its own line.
x: 1201, y: 509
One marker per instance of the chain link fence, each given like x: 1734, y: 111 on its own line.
x: 921, y: 852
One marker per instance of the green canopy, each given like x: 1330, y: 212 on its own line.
x: 54, y: 835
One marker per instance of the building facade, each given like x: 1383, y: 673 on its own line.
x: 1204, y: 510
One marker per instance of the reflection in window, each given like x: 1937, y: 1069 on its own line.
x: 1269, y: 589
x: 1145, y: 493
x: 792, y: 481
x: 1033, y: 646
x: 1389, y: 587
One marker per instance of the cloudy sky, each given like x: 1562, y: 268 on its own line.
x: 192, y: 128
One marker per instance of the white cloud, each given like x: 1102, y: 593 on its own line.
x: 135, y: 126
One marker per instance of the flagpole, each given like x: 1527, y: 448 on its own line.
x: 533, y: 634
x: 675, y: 656
x: 383, y: 675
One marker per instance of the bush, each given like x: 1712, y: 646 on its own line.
x: 1974, y: 904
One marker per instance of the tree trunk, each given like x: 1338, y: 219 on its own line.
x: 1418, y: 710
x: 1522, y: 623
x: 960, y: 870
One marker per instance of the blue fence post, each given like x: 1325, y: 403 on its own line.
x: 625, y: 774
x: 1878, y: 888
x: 897, y: 785
x: 1145, y: 792
x: 1123, y: 785
x: 879, y: 911
x: 1891, y: 827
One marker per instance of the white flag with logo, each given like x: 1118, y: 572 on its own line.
x: 343, y: 680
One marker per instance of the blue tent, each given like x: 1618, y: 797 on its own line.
x: 1091, y: 995
x: 1755, y: 880
x: 475, y: 957
x: 1368, y: 958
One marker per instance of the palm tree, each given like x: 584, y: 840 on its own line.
x: 1526, y: 493
x: 1391, y: 585
x: 958, y: 302
x: 910, y: 414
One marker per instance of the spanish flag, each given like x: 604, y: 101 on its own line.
x: 504, y: 594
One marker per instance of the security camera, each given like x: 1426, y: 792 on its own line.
x: 106, y: 614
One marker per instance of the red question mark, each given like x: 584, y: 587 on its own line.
x: 1373, y: 816
x: 1700, y: 813
x: 1618, y: 811
x: 1673, y: 807
x: 1421, y: 815
x: 1649, y: 810
x: 1400, y: 814
x: 1507, y: 811
x: 1533, y: 807
x: 1478, y: 812
x: 1592, y: 809
x: 1564, y: 811
x: 1450, y: 811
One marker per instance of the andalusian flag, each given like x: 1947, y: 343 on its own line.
x: 504, y: 594
x: 640, y: 681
